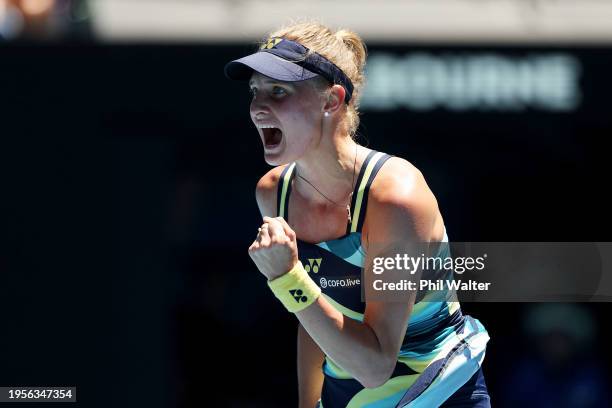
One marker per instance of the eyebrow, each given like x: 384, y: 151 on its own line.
x: 266, y: 80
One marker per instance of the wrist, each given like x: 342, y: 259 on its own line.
x: 295, y: 289
x: 272, y: 277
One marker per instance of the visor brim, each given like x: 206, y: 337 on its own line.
x: 269, y: 65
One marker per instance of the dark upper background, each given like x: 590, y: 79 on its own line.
x: 127, y: 203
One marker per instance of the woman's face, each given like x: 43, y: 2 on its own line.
x: 287, y: 116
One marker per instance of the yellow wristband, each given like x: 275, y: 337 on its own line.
x: 295, y: 289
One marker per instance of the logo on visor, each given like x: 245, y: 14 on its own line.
x: 272, y: 42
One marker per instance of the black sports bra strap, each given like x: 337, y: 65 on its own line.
x: 283, y: 191
x: 370, y: 167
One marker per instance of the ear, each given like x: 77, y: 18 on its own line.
x: 335, y: 99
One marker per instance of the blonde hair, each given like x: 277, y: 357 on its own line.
x: 343, y: 47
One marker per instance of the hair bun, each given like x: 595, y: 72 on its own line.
x: 355, y: 44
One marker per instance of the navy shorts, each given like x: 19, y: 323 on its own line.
x: 472, y: 394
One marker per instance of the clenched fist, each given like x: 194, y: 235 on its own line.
x: 274, y: 251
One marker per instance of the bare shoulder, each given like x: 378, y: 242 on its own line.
x: 266, y: 190
x: 401, y: 198
x: 399, y: 182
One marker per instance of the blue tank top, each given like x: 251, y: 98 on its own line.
x: 436, y: 324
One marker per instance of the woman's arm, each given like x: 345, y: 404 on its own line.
x: 405, y: 213
x: 367, y: 350
x: 310, y: 375
x: 402, y: 212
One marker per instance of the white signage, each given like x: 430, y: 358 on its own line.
x: 472, y: 81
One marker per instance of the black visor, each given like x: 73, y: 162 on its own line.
x: 287, y: 60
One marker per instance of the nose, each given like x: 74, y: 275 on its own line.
x: 259, y: 108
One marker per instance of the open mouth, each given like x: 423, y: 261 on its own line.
x: 272, y: 136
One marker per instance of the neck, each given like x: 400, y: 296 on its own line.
x: 332, y: 168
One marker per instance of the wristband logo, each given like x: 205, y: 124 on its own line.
x: 298, y: 295
x: 314, y: 264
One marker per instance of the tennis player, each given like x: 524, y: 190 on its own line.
x: 330, y: 207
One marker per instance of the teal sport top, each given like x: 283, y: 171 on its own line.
x: 441, y: 349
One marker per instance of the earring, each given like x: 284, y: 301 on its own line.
x: 326, y: 114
